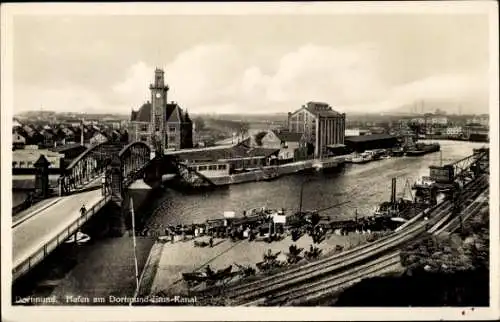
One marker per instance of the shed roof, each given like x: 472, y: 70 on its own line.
x: 236, y: 152
x: 66, y: 147
x: 287, y: 136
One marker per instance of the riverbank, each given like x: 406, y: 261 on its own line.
x: 451, y: 269
x: 482, y: 138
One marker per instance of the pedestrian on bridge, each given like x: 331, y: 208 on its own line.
x: 103, y: 185
x: 83, y: 210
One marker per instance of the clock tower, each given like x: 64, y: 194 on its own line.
x: 158, y: 109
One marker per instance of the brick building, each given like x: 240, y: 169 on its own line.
x: 160, y: 123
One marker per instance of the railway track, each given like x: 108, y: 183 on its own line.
x: 306, y: 293
x: 482, y: 201
x: 323, y: 287
x: 254, y: 292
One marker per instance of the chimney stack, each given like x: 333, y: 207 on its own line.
x: 393, y: 191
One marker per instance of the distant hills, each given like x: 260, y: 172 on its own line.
x: 70, y: 115
x: 418, y: 107
x: 441, y: 107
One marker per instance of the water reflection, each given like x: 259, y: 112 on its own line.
x: 363, y: 185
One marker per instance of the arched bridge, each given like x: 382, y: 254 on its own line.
x: 121, y: 163
x: 46, y: 226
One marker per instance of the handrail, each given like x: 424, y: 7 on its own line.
x: 48, y: 246
x: 81, y: 156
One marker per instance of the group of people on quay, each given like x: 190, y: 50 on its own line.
x: 253, y: 225
x: 317, y: 227
x: 260, y: 224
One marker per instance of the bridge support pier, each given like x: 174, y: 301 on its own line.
x: 116, y: 222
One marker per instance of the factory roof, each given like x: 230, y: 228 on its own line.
x: 368, y: 138
x: 319, y: 109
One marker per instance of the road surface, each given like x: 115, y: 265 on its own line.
x: 34, y: 232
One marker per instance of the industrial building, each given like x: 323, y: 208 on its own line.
x: 321, y: 126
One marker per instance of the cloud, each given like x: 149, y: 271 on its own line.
x: 446, y: 86
x: 336, y: 75
x: 221, y: 78
x: 64, y: 98
x: 466, y: 87
x: 134, y: 89
x: 200, y: 76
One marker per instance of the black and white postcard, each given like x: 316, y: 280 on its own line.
x: 250, y: 161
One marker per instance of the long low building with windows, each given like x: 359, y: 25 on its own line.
x: 26, y: 158
x: 226, y: 160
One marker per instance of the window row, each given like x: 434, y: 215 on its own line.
x: 212, y: 167
x: 28, y: 164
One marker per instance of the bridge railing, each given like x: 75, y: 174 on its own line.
x: 89, y: 165
x: 48, y: 246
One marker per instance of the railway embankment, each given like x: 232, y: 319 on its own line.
x: 454, y: 267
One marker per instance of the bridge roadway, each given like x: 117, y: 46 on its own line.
x: 40, y: 230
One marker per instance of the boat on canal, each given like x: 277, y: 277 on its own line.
x: 78, y: 238
x: 397, y: 152
x: 378, y: 154
x: 422, y: 149
x: 364, y: 157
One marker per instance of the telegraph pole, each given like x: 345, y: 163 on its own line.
x: 302, y: 194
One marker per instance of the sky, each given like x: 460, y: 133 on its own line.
x: 251, y: 63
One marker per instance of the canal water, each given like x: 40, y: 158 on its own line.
x: 363, y: 186
x: 105, y: 266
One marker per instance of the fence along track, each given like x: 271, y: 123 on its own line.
x: 301, y: 274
